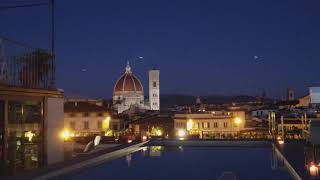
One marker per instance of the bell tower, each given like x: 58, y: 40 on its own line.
x: 154, y: 89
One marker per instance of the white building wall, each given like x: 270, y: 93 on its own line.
x: 154, y: 89
x: 128, y: 99
x: 94, y: 119
x: 54, y: 114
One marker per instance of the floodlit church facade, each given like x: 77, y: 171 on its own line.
x: 128, y: 92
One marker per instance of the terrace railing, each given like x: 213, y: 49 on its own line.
x: 25, y: 66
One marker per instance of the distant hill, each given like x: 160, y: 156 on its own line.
x: 176, y: 99
x: 169, y: 100
x: 226, y: 99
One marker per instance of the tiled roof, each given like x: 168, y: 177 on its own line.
x: 84, y: 107
x: 154, y: 120
x: 128, y: 82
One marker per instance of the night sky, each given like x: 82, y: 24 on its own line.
x: 201, y: 47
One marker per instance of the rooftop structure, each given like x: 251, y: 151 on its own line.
x: 24, y: 66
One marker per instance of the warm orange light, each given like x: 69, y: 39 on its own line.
x: 29, y: 135
x: 144, y: 138
x: 106, y: 123
x: 313, y: 170
x: 159, y: 132
x: 181, y: 133
x: 281, y: 142
x: 278, y: 138
x: 237, y: 121
x: 189, y: 124
x: 65, y: 134
x: 129, y: 141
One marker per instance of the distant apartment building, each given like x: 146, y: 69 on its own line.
x: 214, y: 124
x: 263, y: 113
x: 312, y: 99
x: 83, y: 117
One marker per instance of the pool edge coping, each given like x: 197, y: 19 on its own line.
x: 91, y: 162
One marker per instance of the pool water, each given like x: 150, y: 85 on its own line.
x: 166, y: 163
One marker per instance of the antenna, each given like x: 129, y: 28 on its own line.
x: 53, y: 53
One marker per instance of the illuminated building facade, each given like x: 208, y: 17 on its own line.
x: 154, y: 89
x: 215, y: 124
x: 85, y: 117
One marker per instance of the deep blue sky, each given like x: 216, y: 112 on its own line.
x: 201, y: 47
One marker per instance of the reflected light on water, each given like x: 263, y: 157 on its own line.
x: 128, y: 159
x: 209, y: 162
x: 144, y: 149
x: 155, y: 151
x: 227, y: 175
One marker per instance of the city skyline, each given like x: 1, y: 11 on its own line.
x: 201, y: 48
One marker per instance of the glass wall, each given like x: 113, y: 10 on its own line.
x: 25, y: 135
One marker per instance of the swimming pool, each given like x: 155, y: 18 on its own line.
x: 161, y: 162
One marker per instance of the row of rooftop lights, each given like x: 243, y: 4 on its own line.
x: 212, y: 112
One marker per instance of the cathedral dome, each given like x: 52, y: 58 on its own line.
x: 128, y: 83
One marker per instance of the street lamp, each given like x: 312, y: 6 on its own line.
x: 65, y: 134
x: 237, y: 121
x: 181, y: 133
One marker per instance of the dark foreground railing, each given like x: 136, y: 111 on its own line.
x: 25, y: 66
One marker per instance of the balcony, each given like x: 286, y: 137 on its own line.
x: 24, y: 66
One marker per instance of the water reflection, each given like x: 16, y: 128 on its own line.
x: 227, y: 176
x: 277, y: 163
x: 189, y: 163
x: 180, y: 148
x: 128, y: 159
x: 155, y: 151
x: 144, y: 151
x: 274, y: 160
